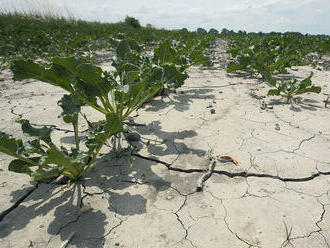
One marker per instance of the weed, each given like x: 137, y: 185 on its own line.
x: 287, y: 241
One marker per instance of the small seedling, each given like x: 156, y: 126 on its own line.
x: 291, y: 88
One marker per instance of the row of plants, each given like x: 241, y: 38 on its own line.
x: 268, y: 55
x: 116, y: 94
x: 33, y: 36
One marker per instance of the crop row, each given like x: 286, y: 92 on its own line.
x: 268, y: 55
x: 116, y: 94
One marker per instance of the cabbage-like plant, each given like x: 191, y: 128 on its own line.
x: 291, y: 88
x: 116, y: 94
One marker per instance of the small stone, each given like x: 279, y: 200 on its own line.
x: 117, y: 244
x: 169, y: 197
x: 220, y: 92
x: 263, y: 106
x: 212, y: 111
x: 258, y: 149
x: 41, y: 226
x: 277, y: 127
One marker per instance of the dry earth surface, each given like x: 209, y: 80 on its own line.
x: 278, y: 195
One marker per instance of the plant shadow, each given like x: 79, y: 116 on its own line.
x: 299, y: 104
x: 245, y: 75
x: 165, y: 143
x: 180, y: 100
x: 58, y: 209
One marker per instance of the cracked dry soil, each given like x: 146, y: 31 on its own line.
x: 277, y: 196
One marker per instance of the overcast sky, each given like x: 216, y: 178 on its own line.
x: 305, y: 16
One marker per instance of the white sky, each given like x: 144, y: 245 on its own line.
x: 305, y: 16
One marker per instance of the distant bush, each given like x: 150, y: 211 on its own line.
x: 132, y: 21
x: 201, y: 31
x: 213, y: 31
x: 150, y: 26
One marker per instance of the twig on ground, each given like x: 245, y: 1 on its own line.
x: 287, y: 240
x: 209, y: 172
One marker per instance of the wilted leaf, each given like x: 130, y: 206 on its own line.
x: 20, y: 166
x: 28, y: 130
x: 70, y: 109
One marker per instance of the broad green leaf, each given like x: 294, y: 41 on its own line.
x: 113, y: 124
x: 90, y: 74
x: 58, y: 157
x: 165, y: 53
x: 154, y: 75
x: 20, y: 166
x: 10, y: 146
x: 79, y: 157
x: 172, y: 77
x: 55, y: 75
x: 69, y: 63
x: 312, y: 89
x: 198, y: 58
x: 46, y: 173
x: 28, y: 130
x: 233, y: 66
x: 305, y: 83
x: 273, y: 92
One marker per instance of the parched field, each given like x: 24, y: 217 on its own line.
x: 277, y: 195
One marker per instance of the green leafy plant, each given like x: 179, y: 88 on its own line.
x: 41, y: 159
x: 291, y: 88
x: 115, y: 94
x: 267, y: 54
x: 60, y: 37
x: 133, y: 22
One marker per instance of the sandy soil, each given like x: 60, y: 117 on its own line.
x: 278, y: 195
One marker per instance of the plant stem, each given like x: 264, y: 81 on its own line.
x: 109, y: 104
x: 130, y: 110
x: 95, y: 155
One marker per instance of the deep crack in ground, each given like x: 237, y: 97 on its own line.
x: 235, y: 174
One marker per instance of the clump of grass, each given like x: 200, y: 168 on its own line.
x: 38, y: 9
x: 132, y: 21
